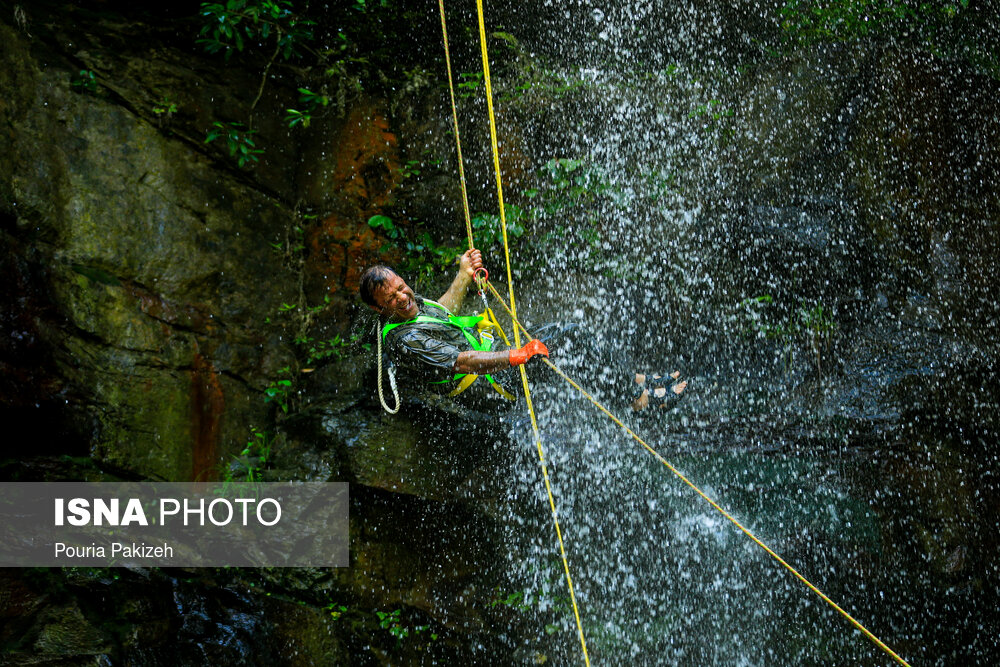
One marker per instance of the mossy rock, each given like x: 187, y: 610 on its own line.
x: 65, y: 632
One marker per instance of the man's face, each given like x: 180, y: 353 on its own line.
x: 395, y: 300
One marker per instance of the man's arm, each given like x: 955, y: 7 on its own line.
x: 469, y: 263
x: 472, y: 361
x: 479, y: 363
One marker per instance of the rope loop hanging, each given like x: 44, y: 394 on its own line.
x: 392, y: 379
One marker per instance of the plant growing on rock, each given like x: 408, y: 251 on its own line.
x: 165, y: 108
x: 390, y: 621
x: 365, y: 5
x: 818, y: 326
x: 310, y: 102
x: 423, y: 255
x: 555, y: 608
x: 280, y: 391
x: 813, y: 324
x: 950, y: 30
x: 239, y: 141
x: 810, y: 21
x: 487, y: 225
x: 229, y: 27
x: 658, y: 184
x: 562, y: 211
x: 318, y: 350
x: 247, y: 466
x: 335, y: 610
x: 712, y: 115
x: 469, y: 83
x: 86, y: 81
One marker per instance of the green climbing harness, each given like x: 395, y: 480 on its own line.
x: 469, y: 325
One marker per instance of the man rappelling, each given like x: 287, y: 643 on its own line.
x: 431, y: 344
x: 451, y: 354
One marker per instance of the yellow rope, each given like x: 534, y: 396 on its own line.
x: 512, y: 311
x: 517, y: 337
x: 711, y: 502
x: 454, y: 117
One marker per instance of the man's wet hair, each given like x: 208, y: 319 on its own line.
x: 372, y: 279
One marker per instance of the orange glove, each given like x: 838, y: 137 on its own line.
x: 530, y: 349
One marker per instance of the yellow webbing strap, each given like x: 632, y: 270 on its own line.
x: 490, y: 321
x: 517, y: 338
x: 463, y: 384
x: 469, y: 378
x: 878, y: 642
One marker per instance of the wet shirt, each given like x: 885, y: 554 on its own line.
x: 426, y: 351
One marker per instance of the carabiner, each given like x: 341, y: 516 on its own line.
x: 480, y: 282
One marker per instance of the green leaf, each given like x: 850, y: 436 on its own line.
x: 507, y: 37
x: 380, y: 221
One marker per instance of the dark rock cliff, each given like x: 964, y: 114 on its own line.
x: 156, y: 289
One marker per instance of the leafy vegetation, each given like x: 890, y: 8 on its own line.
x: 238, y: 139
x: 413, y: 167
x: 318, y: 350
x: 811, y: 324
x: 658, y: 184
x: 563, y: 212
x: 390, y: 621
x: 554, y: 608
x: 335, y: 610
x: 488, y: 227
x: 85, y: 80
x: 469, y: 83
x: 514, y: 600
x: 228, y: 27
x: 713, y: 117
x: 949, y: 29
x: 365, y: 5
x: 331, y: 75
x: 560, y: 214
x: 310, y: 102
x: 280, y: 391
x: 166, y: 107
x: 424, y: 257
x: 252, y: 460
x: 809, y: 21
x: 532, y: 79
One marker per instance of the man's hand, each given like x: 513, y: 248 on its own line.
x: 531, y: 348
x: 470, y: 262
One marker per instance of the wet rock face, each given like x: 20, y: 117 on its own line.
x: 151, y: 266
x: 339, y: 251
x: 33, y: 393
x: 133, y: 255
x: 147, y: 275
x: 928, y: 145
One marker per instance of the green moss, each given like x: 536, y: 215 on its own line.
x: 97, y: 275
x: 65, y: 632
